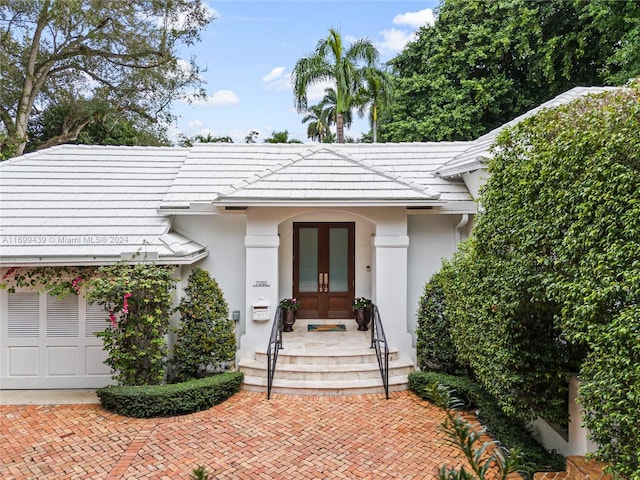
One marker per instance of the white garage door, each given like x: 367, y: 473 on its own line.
x: 50, y: 343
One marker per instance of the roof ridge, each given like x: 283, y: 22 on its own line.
x: 396, y: 177
x: 25, y: 156
x: 314, y: 149
x: 269, y: 170
x: 563, y: 98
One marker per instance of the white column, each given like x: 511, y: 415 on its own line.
x: 390, y: 290
x: 579, y: 442
x: 261, y: 283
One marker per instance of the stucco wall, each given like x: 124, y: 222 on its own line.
x: 432, y: 238
x: 224, y: 237
x: 475, y: 180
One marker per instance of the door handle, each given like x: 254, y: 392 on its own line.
x: 323, y: 282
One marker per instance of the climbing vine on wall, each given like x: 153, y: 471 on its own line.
x: 550, y: 280
x: 138, y: 303
x: 57, y: 281
x: 138, y: 298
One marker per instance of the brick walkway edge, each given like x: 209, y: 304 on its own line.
x: 246, y: 437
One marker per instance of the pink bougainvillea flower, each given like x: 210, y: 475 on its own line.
x: 125, y: 304
x: 112, y: 317
x: 76, y: 283
x: 10, y: 271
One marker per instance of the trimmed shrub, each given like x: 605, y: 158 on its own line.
x: 206, y: 340
x: 151, y: 401
x: 511, y: 433
x: 435, y: 348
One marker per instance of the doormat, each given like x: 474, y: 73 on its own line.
x: 327, y: 327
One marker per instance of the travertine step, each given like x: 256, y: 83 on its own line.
x: 326, y: 372
x: 309, y: 375
x: 325, y: 363
x: 350, y: 355
x: 335, y: 387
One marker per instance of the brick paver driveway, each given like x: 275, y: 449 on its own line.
x: 246, y: 437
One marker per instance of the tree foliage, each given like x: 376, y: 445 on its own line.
x: 550, y: 281
x: 435, y: 347
x: 205, y: 339
x: 486, y: 459
x: 138, y: 298
x: 93, y: 57
x: 319, y: 127
x: 47, y: 128
x: 281, y: 136
x: 484, y: 62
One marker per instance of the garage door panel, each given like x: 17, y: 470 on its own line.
x: 62, y: 361
x: 23, y: 361
x: 62, y: 317
x: 95, y: 358
x: 23, y: 315
x: 46, y: 342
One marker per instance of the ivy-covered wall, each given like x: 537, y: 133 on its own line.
x: 550, y: 281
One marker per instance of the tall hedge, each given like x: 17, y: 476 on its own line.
x: 550, y: 281
x: 435, y: 347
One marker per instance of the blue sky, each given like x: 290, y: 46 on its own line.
x: 251, y: 47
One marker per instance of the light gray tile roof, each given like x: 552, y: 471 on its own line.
x: 99, y: 204
x: 479, y: 151
x: 92, y: 204
x: 273, y: 174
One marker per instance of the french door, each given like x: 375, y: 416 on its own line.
x: 323, y: 269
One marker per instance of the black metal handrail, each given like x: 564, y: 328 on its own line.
x: 379, y: 342
x: 275, y: 345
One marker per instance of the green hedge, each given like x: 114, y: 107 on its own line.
x: 172, y: 399
x: 511, y: 433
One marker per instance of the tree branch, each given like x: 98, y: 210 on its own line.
x: 65, y: 137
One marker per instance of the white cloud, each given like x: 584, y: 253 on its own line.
x: 394, y: 41
x: 274, y: 74
x: 195, y: 124
x: 315, y: 92
x: 203, y: 132
x: 416, y: 20
x: 221, y: 97
x: 277, y: 79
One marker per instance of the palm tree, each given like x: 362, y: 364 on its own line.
x: 329, y: 104
x: 376, y: 92
x: 331, y: 62
x: 319, y: 123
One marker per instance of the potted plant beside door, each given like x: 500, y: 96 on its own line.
x: 362, y: 312
x: 289, y: 307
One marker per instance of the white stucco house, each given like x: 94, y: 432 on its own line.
x: 371, y: 220
x: 321, y: 222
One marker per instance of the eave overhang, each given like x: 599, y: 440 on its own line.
x: 97, y: 260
